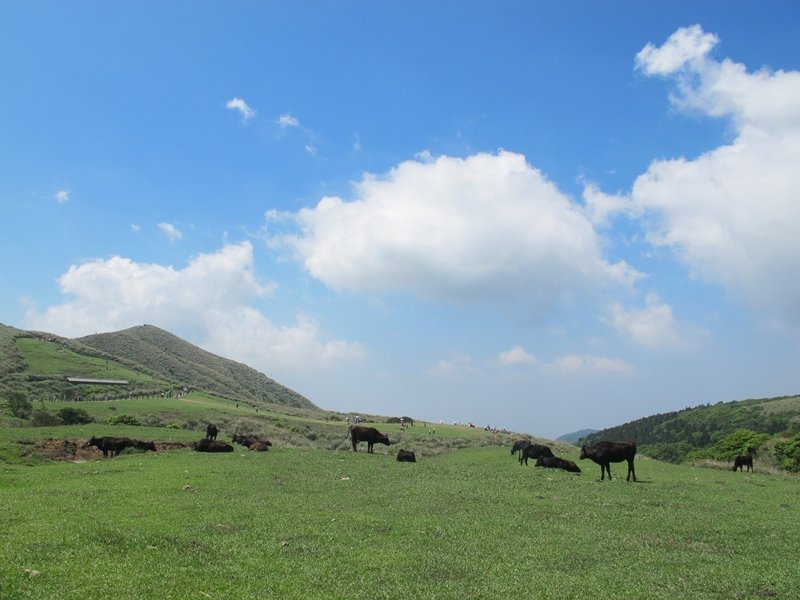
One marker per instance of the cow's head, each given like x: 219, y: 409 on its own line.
x: 583, y: 452
x: 93, y: 441
x: 383, y: 439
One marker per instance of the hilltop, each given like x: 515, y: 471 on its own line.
x: 149, y: 358
x: 714, y: 431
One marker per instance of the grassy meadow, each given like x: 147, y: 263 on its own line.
x: 313, y: 522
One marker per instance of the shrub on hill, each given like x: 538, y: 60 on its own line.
x: 74, y: 416
x: 122, y: 420
x: 741, y: 441
x: 788, y: 453
x: 19, y: 405
x: 43, y: 418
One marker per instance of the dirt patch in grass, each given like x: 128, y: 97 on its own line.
x: 73, y: 450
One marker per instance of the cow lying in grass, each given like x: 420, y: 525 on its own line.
x: 206, y: 445
x: 742, y: 461
x: 553, y: 462
x: 604, y: 453
x: 249, y: 440
x: 406, y: 456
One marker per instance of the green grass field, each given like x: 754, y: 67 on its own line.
x: 315, y: 523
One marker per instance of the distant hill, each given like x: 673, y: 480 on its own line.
x: 674, y: 436
x: 149, y: 357
x: 572, y: 438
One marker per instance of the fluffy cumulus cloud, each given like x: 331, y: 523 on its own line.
x: 241, y: 107
x: 61, y: 196
x: 488, y: 227
x: 731, y: 214
x: 652, y: 326
x: 210, y: 301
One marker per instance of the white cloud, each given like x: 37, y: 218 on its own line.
x: 652, y: 326
x: 172, y: 232
x: 731, y: 214
x: 516, y: 356
x: 61, y: 196
x: 485, y: 228
x: 210, y: 302
x: 686, y: 45
x: 287, y: 120
x: 240, y: 105
x: 135, y: 228
x: 311, y: 149
x: 587, y: 365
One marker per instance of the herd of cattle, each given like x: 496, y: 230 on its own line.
x: 602, y: 453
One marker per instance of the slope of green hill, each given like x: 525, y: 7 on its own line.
x: 693, y: 432
x: 37, y: 364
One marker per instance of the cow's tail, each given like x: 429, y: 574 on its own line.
x: 349, y: 432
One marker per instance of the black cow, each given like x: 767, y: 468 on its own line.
x: 742, y: 461
x: 604, y: 453
x: 211, y: 432
x: 406, y: 456
x: 249, y: 440
x: 109, y: 446
x: 370, y: 435
x: 141, y: 445
x: 534, y: 451
x: 207, y: 445
x: 553, y: 462
x: 518, y: 446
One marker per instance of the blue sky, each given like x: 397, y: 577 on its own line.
x: 540, y: 216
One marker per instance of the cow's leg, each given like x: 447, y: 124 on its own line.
x: 631, y: 470
x: 355, y: 449
x: 369, y: 447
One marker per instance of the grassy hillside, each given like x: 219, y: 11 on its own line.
x: 703, y: 431
x: 173, y: 359
x: 37, y: 365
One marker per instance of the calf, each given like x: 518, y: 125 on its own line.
x: 553, y: 462
x: 406, y: 456
x: 742, y: 461
x: 534, y: 451
x: 604, y: 453
x: 141, y: 445
x: 207, y: 445
x: 370, y: 435
x: 259, y: 447
x: 211, y: 432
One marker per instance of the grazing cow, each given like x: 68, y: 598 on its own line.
x: 553, y: 462
x: 534, y: 451
x: 109, y: 446
x: 742, y: 461
x: 211, y: 432
x: 604, y: 453
x: 406, y: 456
x: 518, y: 446
x: 207, y: 445
x: 248, y: 440
x: 259, y: 447
x: 370, y: 435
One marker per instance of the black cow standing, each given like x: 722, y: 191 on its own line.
x: 742, y: 461
x: 211, y: 432
x: 534, y: 451
x: 604, y: 453
x: 112, y: 446
x: 518, y: 446
x: 370, y: 435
